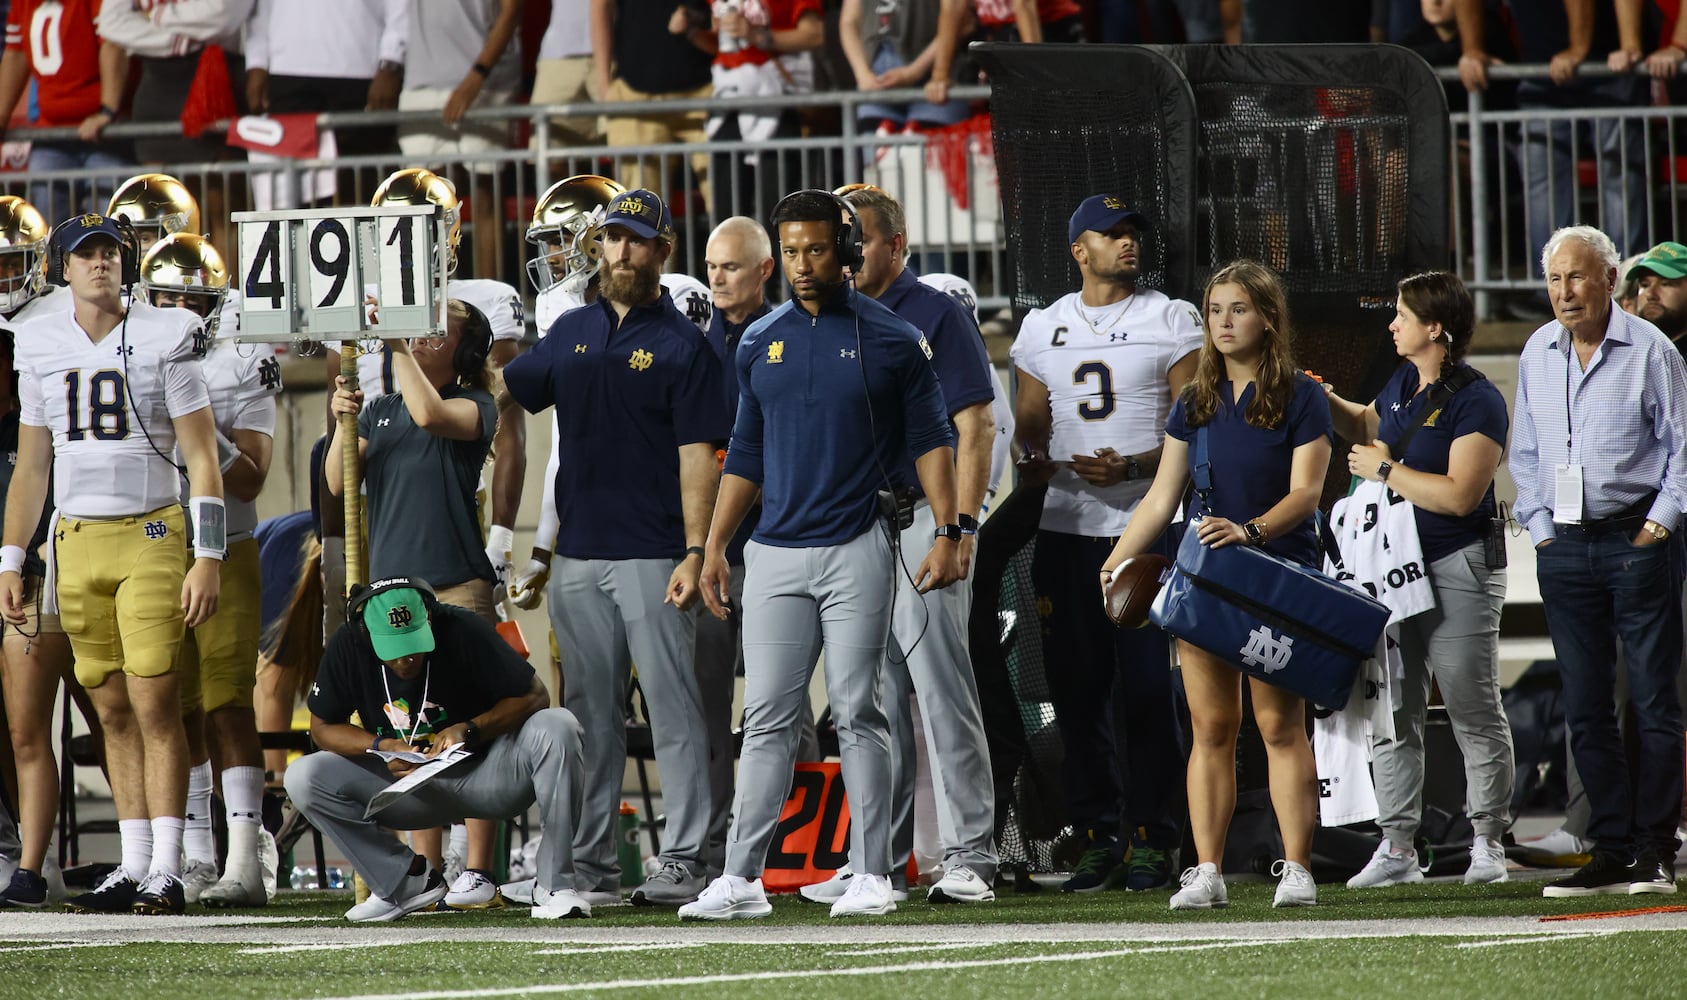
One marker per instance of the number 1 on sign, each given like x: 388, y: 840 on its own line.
x: 404, y: 239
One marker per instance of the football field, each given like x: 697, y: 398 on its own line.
x: 1431, y: 940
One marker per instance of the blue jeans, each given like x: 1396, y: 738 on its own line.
x: 1093, y: 670
x: 55, y: 199
x: 1548, y: 154
x: 1597, y: 589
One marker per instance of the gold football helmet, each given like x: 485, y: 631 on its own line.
x: 23, y: 245
x: 156, y: 205
x: 185, y: 264
x: 419, y: 186
x: 563, y: 230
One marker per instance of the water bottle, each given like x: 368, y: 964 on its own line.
x: 626, y: 848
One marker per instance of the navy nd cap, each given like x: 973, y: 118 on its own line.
x: 1101, y: 212
x: 78, y: 229
x: 643, y: 212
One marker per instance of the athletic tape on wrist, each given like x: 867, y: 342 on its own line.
x: 501, y: 540
x: 210, y: 527
x: 12, y: 558
x: 228, y: 453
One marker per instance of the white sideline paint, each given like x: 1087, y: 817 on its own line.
x: 611, y: 948
x: 1537, y: 939
x: 283, y: 949
x: 9, y: 948
x: 751, y: 977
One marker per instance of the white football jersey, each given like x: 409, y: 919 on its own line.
x: 500, y: 303
x: 1001, y: 404
x: 52, y: 299
x: 690, y: 296
x: 956, y: 287
x: 1105, y: 370
x: 110, y: 405
x: 243, y: 381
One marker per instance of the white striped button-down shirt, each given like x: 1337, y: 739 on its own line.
x: 1623, y: 420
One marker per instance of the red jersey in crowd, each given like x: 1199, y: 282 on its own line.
x: 774, y: 15
x: 63, y: 48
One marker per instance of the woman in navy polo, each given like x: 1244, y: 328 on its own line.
x: 1447, y: 475
x: 1268, y: 442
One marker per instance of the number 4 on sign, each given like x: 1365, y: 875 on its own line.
x: 267, y: 267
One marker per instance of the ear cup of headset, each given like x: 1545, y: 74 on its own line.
x: 848, y: 235
x: 128, y: 252
x: 360, y: 595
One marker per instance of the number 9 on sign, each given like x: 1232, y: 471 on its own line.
x: 336, y: 290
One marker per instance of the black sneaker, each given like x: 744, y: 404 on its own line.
x: 160, y: 895
x: 1608, y: 874
x: 1149, y: 869
x: 115, y: 895
x: 1653, y: 873
x: 27, y: 889
x: 1095, y: 869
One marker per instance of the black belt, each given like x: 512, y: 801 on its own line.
x: 1629, y: 519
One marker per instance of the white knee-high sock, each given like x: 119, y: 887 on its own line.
x: 197, y: 839
x: 166, y: 846
x: 243, y: 794
x: 136, y: 837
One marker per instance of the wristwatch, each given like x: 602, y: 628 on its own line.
x: 1133, y: 469
x: 1656, y: 530
x: 471, y: 735
x: 952, y: 532
x: 1255, y: 530
x: 1383, y: 469
x: 969, y: 524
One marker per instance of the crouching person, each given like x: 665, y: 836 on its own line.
x: 428, y: 676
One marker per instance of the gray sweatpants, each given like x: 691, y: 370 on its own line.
x: 718, y: 654
x: 539, y: 762
x: 939, y: 672
x: 1457, y: 643
x: 607, y: 616
x: 796, y: 603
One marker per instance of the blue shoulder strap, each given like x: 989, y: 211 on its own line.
x: 1203, y: 470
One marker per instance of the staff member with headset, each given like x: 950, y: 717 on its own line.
x: 423, y: 450
x: 819, y: 565
x: 109, y: 389
x: 424, y: 675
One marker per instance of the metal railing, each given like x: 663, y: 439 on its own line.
x: 703, y: 180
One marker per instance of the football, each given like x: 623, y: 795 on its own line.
x: 1133, y: 587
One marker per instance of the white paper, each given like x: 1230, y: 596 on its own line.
x: 1567, y: 494
x: 415, y: 779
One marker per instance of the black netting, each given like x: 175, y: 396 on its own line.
x: 1070, y: 121
x: 1036, y: 818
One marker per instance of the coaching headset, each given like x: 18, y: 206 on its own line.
x: 128, y: 249
x: 847, y: 235
x: 360, y: 596
x: 474, y: 343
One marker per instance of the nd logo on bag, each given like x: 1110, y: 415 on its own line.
x: 1264, y: 649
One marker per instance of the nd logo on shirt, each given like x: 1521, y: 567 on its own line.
x: 776, y: 352
x: 641, y: 360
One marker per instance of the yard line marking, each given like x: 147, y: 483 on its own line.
x: 1536, y: 939
x: 284, y: 949
x: 976, y: 945
x: 750, y: 977
x: 1616, y: 913
x: 608, y: 948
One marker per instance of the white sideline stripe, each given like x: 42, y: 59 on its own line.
x: 7, y: 949
x: 608, y: 948
x: 1534, y: 939
x: 751, y: 977
x: 976, y: 945
x: 283, y: 949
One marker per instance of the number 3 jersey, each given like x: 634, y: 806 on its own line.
x: 243, y: 381
x: 110, y: 405
x: 1106, y: 375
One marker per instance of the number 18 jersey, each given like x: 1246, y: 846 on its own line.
x: 110, y: 405
x: 1106, y: 375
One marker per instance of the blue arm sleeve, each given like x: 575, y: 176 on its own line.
x: 744, y: 455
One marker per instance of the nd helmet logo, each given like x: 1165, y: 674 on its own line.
x: 641, y: 360
x: 776, y: 352
x: 399, y: 617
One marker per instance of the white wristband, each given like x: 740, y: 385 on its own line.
x: 228, y: 452
x: 12, y: 558
x: 210, y: 527
x: 500, y: 539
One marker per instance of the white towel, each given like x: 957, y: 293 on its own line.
x: 50, y: 579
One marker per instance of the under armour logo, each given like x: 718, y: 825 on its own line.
x: 1118, y: 338
x: 383, y: 421
x: 156, y: 530
x: 579, y: 348
x: 124, y: 350
x: 269, y: 374
x: 1264, y: 649
x: 316, y: 689
x: 844, y: 352
x: 399, y: 617
x: 641, y: 360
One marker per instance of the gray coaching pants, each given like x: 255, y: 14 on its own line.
x: 539, y: 762
x: 939, y: 671
x: 798, y: 602
x: 608, y: 615
x: 1457, y: 643
x: 718, y: 655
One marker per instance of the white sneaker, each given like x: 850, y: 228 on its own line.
x: 474, y: 890
x: 1487, y: 862
x: 559, y: 904
x: 1559, y: 849
x: 730, y: 897
x: 867, y: 896
x: 1389, y: 867
x: 829, y: 891
x: 417, y: 892
x: 603, y: 897
x: 236, y: 889
x: 452, y: 864
x: 197, y: 876
x: 269, y: 860
x: 519, y: 892
x: 1295, y: 887
x: 960, y: 884
x: 1203, y: 889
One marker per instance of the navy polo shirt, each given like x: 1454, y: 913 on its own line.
x: 627, y: 397
x: 724, y: 336
x: 806, y: 432
x: 1478, y: 408
x: 957, y: 350
x: 1251, y: 465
